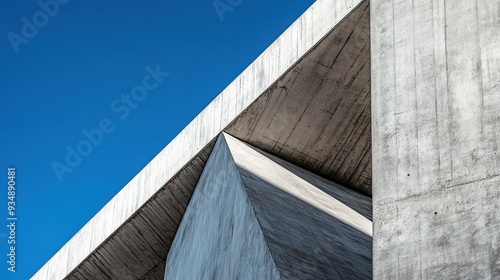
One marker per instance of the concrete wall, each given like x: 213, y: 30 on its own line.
x: 254, y: 216
x: 436, y: 137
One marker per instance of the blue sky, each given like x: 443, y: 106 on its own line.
x: 88, y: 68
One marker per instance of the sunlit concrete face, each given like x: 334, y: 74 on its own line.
x: 256, y: 216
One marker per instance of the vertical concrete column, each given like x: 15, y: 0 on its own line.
x: 436, y: 137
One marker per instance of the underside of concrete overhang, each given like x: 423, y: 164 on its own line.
x: 316, y: 115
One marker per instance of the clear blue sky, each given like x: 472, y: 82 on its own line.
x: 64, y: 72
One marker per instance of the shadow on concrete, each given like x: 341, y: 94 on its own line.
x: 354, y: 200
x: 306, y: 242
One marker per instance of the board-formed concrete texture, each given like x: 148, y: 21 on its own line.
x: 436, y: 138
x: 255, y: 216
x: 131, y: 236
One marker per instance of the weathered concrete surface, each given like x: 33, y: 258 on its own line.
x: 255, y: 216
x: 436, y: 133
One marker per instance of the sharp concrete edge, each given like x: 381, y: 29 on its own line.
x: 304, y: 227
x: 294, y: 43
x: 219, y: 236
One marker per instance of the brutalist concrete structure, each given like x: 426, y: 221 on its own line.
x: 360, y: 109
x: 265, y: 218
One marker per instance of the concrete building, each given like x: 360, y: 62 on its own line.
x: 360, y: 109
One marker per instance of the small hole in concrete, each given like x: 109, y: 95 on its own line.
x: 435, y: 213
x: 408, y: 174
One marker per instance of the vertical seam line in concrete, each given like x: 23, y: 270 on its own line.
x: 448, y: 88
x: 435, y: 89
x: 415, y: 88
x: 417, y: 128
x: 480, y: 70
x: 395, y: 116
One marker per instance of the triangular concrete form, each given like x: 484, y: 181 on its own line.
x: 255, y: 216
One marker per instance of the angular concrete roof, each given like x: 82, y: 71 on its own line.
x: 306, y: 99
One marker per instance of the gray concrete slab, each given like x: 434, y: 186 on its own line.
x: 255, y: 216
x: 435, y: 124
